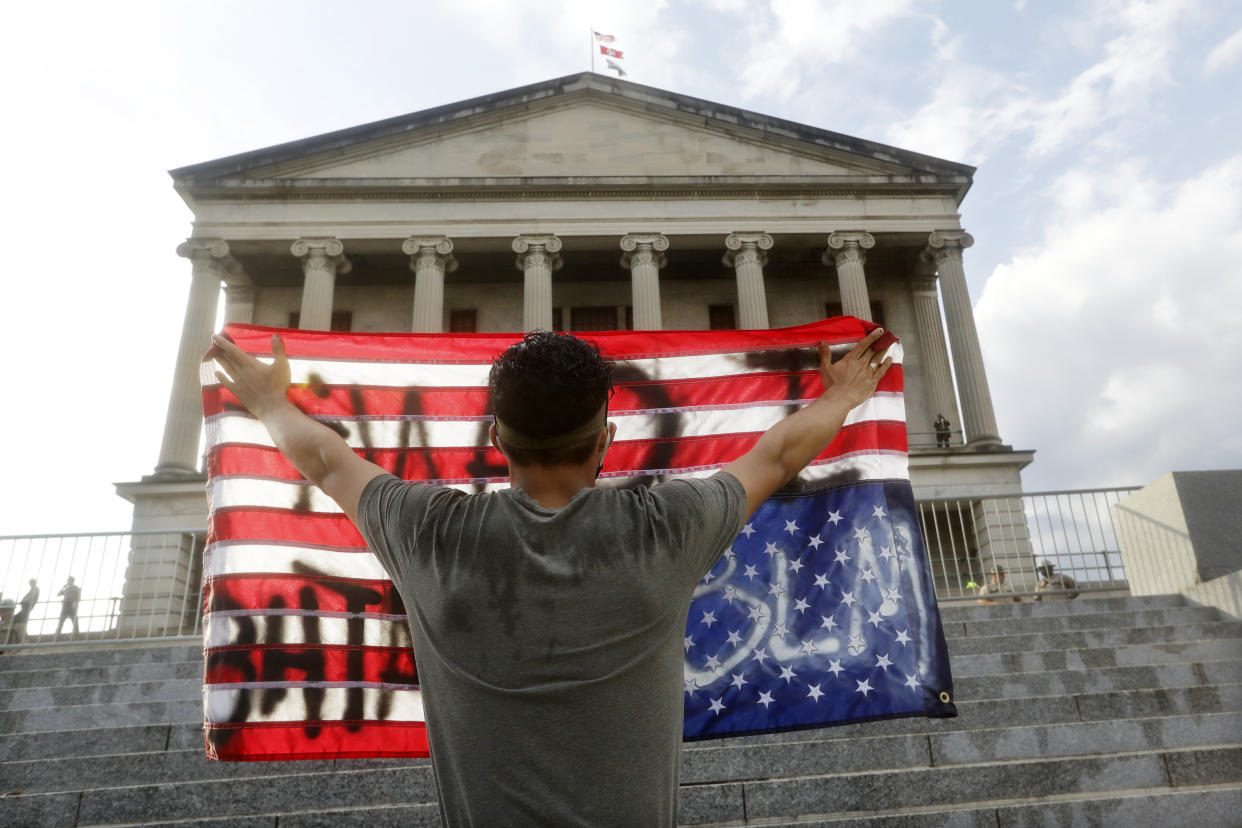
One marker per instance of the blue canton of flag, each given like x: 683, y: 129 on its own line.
x: 815, y: 616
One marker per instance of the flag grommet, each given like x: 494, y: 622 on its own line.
x: 945, y: 697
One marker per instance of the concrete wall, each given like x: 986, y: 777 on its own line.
x: 1183, y: 530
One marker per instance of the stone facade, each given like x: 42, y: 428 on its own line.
x: 585, y: 203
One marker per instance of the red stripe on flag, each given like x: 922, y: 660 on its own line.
x: 386, y: 665
x: 458, y: 349
x: 258, y: 524
x: 266, y: 741
x: 301, y: 591
x: 625, y: 455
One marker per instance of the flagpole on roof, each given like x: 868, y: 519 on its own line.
x: 591, y: 40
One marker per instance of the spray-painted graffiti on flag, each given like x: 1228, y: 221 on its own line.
x: 821, y: 612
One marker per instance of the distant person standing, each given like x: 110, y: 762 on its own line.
x: 995, y: 586
x: 71, y: 593
x: 28, y: 604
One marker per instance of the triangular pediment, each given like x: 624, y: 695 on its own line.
x: 574, y: 129
x: 584, y: 138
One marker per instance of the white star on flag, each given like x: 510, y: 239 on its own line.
x: 874, y: 619
x: 750, y: 572
x: 709, y: 618
x: 848, y: 599
x: 748, y: 530
x: 733, y: 638
x: 801, y: 605
x: 913, y: 682
x: 834, y: 518
x: 834, y: 666
x: 829, y: 623
x: 814, y: 542
x: 815, y: 692
x: 717, y: 705
x: 712, y: 663
x: 787, y: 673
x: 867, y: 575
x: 864, y: 687
x: 770, y: 550
x: 791, y: 526
x: 738, y: 681
x: 903, y: 637
x: 842, y: 557
x: 689, y: 643
x: 821, y: 579
x: 878, y: 511
x: 796, y: 565
x: 883, y: 662
x: 765, y: 698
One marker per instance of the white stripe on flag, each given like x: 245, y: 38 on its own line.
x: 288, y: 629
x: 239, y: 491
x: 236, y: 427
x: 404, y: 374
x: 253, y: 558
x: 220, y: 703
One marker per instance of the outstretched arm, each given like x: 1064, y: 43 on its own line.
x: 315, y: 450
x: 786, y: 448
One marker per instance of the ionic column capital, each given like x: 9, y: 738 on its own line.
x: 430, y: 252
x: 644, y: 249
x: 747, y: 248
x: 946, y: 243
x: 537, y: 249
x: 322, y: 254
x: 848, y: 246
x: 211, y: 254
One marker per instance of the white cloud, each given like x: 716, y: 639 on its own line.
x: 1112, y: 346
x: 805, y: 35
x: 1227, y: 52
x: 973, y: 110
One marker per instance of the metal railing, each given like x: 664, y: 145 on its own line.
x: 67, y: 589
x: 148, y: 585
x: 1050, y: 544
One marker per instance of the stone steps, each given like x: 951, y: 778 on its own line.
x: 1119, y: 711
x: 836, y: 794
x: 1041, y: 683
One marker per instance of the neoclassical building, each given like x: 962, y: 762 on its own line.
x: 589, y: 203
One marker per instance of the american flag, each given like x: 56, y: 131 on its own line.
x: 821, y: 612
x: 604, y: 38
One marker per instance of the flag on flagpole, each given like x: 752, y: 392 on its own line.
x: 821, y: 612
x: 604, y: 38
x: 604, y: 50
x: 616, y: 67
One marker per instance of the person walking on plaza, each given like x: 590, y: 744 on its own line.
x: 71, y: 593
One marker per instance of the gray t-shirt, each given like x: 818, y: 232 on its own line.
x: 549, y: 641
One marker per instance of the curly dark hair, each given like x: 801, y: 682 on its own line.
x: 549, y: 384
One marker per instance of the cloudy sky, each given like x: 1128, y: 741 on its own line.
x: 1107, y: 209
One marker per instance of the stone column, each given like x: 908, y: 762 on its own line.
x: 747, y: 258
x: 322, y: 260
x: 209, y: 261
x: 537, y: 258
x: 430, y: 258
x: 848, y: 251
x: 978, y: 419
x: 239, y: 304
x: 935, y: 355
x: 643, y: 257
